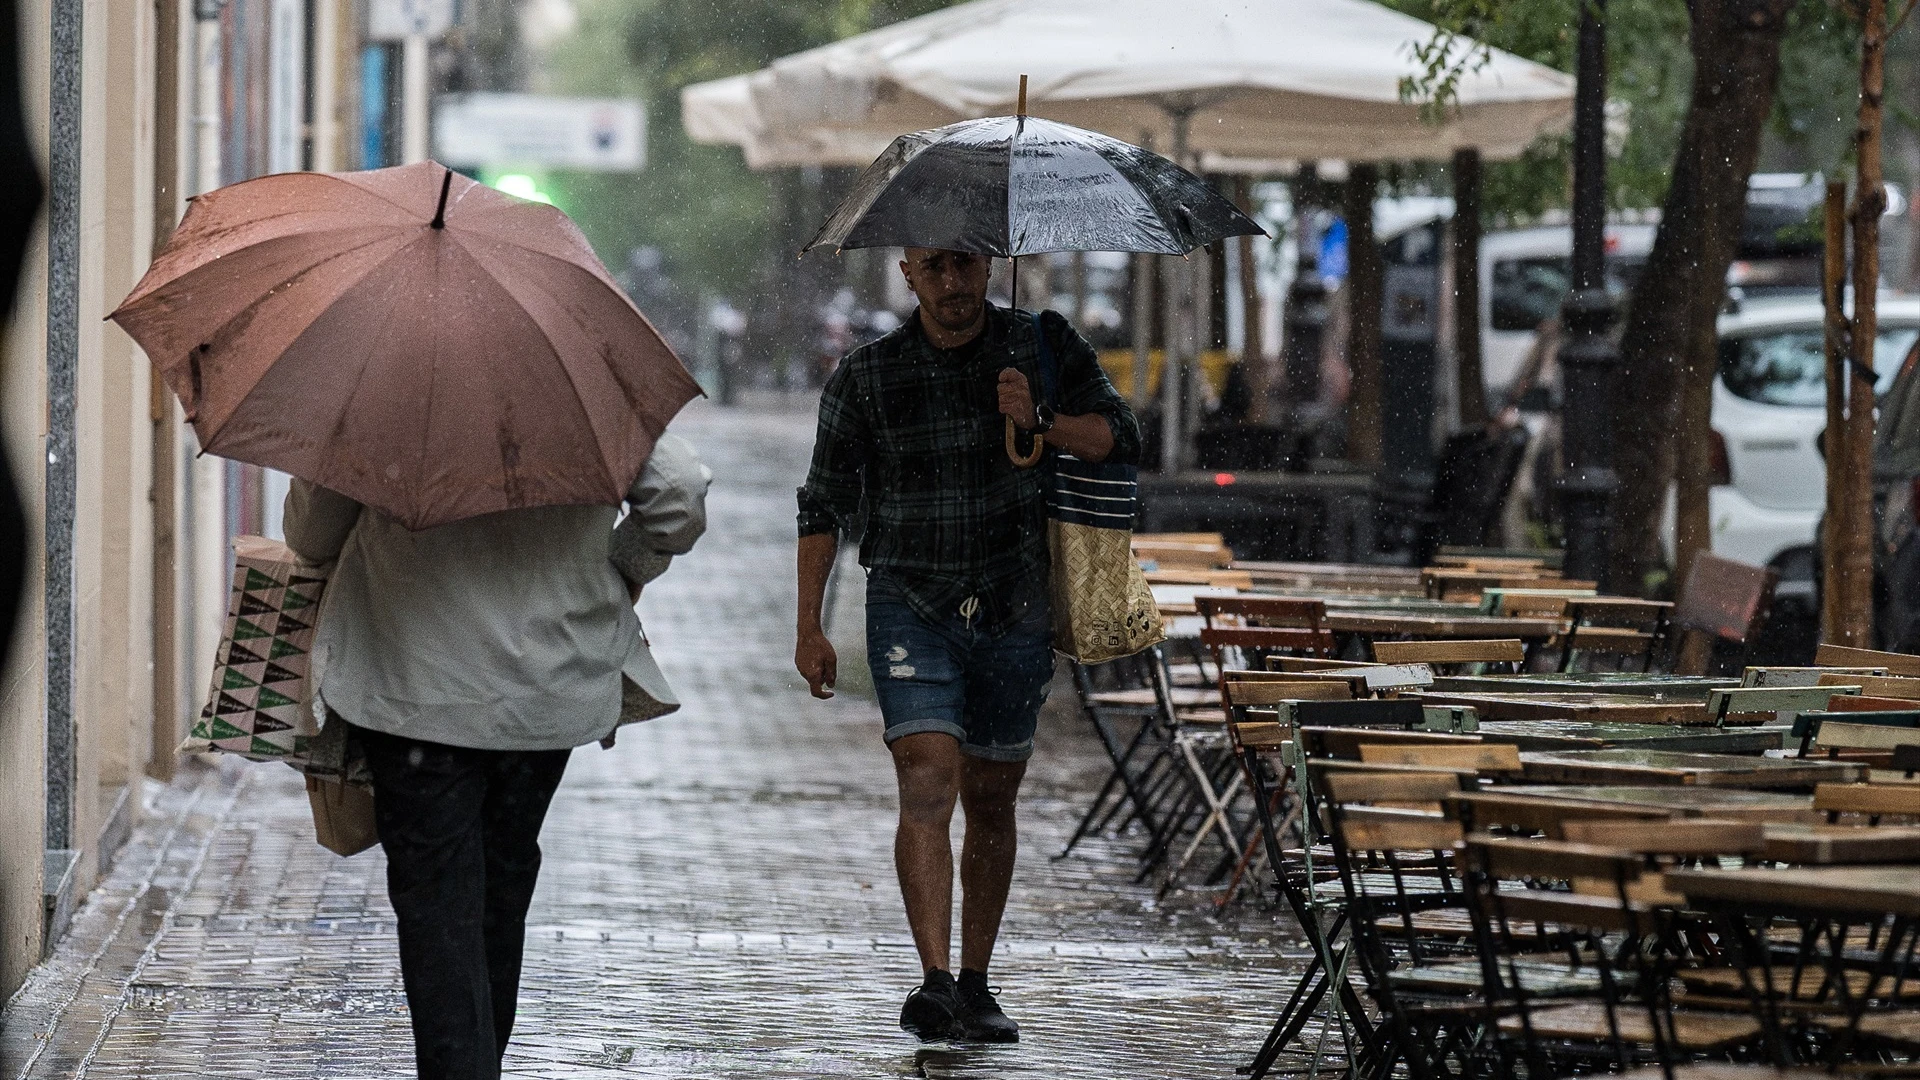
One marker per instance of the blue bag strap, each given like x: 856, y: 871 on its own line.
x: 1049, y: 376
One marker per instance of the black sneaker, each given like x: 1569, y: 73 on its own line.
x: 980, y: 1018
x: 931, y: 1008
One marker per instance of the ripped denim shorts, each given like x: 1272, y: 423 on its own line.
x: 983, y: 689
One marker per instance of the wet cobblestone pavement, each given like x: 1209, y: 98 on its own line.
x: 717, y: 898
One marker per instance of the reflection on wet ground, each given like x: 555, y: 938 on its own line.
x: 717, y: 899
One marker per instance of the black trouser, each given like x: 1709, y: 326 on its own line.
x: 461, y: 829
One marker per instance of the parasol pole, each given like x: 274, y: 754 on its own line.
x: 1028, y: 460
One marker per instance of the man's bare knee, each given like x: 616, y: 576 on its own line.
x: 928, y: 768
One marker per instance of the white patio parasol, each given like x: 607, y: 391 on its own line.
x: 1248, y: 79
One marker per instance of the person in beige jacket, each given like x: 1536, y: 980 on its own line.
x: 470, y: 659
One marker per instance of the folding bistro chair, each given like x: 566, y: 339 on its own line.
x: 1453, y: 656
x: 1580, y: 972
x: 1407, y: 910
x: 1628, y: 632
x: 1281, y: 756
x: 1721, y: 610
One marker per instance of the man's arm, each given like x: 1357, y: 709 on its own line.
x: 316, y: 521
x: 667, y: 512
x: 828, y: 501
x: 1088, y: 437
x: 813, y: 654
x: 1093, y: 422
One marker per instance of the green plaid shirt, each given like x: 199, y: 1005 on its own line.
x: 917, y: 430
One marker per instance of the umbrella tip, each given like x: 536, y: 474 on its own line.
x: 440, y: 214
x: 1023, y: 97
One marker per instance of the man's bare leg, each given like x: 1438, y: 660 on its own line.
x: 929, y: 767
x: 988, y: 790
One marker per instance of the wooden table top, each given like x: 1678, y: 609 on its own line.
x: 1893, y: 889
x: 1689, y: 801
x: 1658, y: 687
x: 1577, y: 705
x: 1589, y: 735
x: 1471, y: 627
x: 1643, y: 766
x: 1834, y: 845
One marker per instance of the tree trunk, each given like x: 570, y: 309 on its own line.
x: 1472, y: 393
x: 1364, y: 292
x: 1853, y: 535
x: 1736, y: 57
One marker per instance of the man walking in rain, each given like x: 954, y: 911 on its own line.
x: 470, y: 659
x: 958, y: 631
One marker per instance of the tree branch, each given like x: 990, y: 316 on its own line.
x: 1901, y: 21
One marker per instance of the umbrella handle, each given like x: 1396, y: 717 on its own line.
x: 1013, y: 447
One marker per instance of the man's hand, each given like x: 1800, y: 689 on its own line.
x: 1016, y: 399
x: 813, y: 654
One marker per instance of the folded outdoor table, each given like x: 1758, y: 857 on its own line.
x: 1689, y: 801
x: 1663, y: 767
x: 1577, y: 705
x: 1834, y: 845
x: 1658, y: 687
x: 1589, y: 735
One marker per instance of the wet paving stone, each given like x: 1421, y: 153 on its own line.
x: 717, y: 898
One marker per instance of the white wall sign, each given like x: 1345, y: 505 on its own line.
x: 528, y: 130
x: 392, y: 20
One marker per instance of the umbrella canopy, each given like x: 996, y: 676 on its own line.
x: 1304, y: 79
x: 424, y: 344
x: 1019, y: 185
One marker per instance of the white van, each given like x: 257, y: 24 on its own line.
x: 1524, y: 274
x: 1769, y: 405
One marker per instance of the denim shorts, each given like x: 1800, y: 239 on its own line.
x: 983, y: 689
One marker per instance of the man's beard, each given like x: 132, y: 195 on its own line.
x: 957, y: 313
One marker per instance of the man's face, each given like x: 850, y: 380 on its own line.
x: 951, y: 285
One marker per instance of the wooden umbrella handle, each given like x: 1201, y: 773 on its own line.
x: 1013, y: 446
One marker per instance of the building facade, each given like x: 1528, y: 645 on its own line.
x: 132, y: 106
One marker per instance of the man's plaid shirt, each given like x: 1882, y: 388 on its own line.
x: 918, y: 431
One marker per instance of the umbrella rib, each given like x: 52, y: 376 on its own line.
x: 579, y: 399
x: 304, y: 271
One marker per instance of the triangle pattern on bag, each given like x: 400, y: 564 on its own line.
x: 266, y: 723
x: 282, y: 648
x: 272, y: 699
x: 275, y: 673
x: 291, y: 625
x: 227, y: 705
x: 235, y: 679
x: 295, y: 600
x: 252, y: 604
x: 223, y: 730
x: 258, y: 580
x: 247, y: 630
x: 237, y: 655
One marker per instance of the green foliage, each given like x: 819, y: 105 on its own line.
x: 1650, y: 77
x: 710, y: 216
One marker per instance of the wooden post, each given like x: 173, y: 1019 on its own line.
x: 1833, y: 297
x: 1253, y: 351
x: 1472, y: 383
x: 1854, y: 534
x: 1364, y: 289
x: 1142, y: 320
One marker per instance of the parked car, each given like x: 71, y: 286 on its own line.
x: 1896, y: 505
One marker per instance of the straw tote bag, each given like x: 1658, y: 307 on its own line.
x: 1102, y: 606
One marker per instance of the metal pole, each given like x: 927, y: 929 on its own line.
x: 325, y: 154
x: 413, y: 99
x: 1588, y: 355
x: 1177, y: 286
x: 1472, y: 393
x: 63, y: 365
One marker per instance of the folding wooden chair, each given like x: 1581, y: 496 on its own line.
x: 1721, y: 609
x: 1454, y: 656
x: 1608, y: 1004
x: 1629, y: 632
x: 1279, y: 756
x: 1889, y: 663
x: 1407, y: 909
